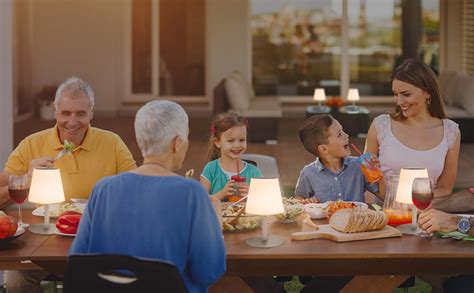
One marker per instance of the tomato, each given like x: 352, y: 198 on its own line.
x: 70, y: 220
x: 8, y: 226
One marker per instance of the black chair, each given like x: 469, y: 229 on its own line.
x: 120, y: 274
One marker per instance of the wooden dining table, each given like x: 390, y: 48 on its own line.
x: 372, y: 260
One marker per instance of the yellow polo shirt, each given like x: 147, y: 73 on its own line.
x: 102, y: 153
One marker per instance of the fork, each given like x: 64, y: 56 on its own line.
x: 60, y: 155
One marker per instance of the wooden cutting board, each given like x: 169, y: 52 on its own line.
x: 326, y: 232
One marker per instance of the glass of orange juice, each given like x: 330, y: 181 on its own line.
x: 371, y: 172
x: 238, y: 180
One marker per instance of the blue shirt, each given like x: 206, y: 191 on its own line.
x: 218, y: 178
x: 160, y: 217
x: 348, y: 184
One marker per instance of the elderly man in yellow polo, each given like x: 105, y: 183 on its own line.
x: 97, y: 153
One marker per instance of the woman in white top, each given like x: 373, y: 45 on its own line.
x: 418, y: 133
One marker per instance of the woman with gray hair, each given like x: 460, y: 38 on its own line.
x: 151, y: 211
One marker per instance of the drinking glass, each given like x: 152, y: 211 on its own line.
x: 18, y: 189
x: 372, y: 173
x: 422, y: 195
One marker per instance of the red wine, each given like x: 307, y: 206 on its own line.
x: 18, y: 195
x: 422, y: 200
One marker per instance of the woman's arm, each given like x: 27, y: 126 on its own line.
x: 445, y: 183
x: 371, y: 142
x: 372, y: 146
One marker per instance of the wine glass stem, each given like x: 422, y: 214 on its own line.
x: 19, y: 214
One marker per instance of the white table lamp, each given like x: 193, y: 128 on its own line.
x: 353, y: 96
x: 46, y: 188
x: 404, y: 195
x: 264, y: 199
x: 320, y: 96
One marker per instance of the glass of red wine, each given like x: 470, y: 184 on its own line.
x: 18, y: 189
x: 422, y: 195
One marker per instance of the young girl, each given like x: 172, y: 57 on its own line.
x: 228, y: 141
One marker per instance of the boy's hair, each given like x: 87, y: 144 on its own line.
x: 221, y: 123
x: 313, y: 132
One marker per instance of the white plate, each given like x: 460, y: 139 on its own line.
x: 56, y: 231
x: 316, y: 210
x: 359, y: 204
x: 79, y: 200
x: 54, y: 208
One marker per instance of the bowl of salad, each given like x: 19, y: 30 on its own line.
x: 291, y: 214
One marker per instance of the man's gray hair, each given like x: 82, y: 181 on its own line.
x: 75, y: 86
x: 157, y: 123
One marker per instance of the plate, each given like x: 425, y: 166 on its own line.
x: 19, y: 231
x: 359, y: 204
x: 79, y: 200
x: 316, y: 210
x: 56, y: 231
x: 54, y: 209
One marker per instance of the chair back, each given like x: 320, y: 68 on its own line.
x: 120, y: 273
x: 267, y: 165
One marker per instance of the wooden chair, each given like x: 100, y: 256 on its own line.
x: 120, y: 274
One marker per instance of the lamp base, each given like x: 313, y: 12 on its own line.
x: 42, y: 229
x: 409, y: 229
x: 321, y: 109
x: 259, y: 242
x: 352, y: 109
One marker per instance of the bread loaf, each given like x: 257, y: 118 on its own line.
x: 357, y: 220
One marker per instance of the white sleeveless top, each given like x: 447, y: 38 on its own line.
x: 394, y: 155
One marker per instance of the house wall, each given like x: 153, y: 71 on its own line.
x: 6, y: 79
x: 453, y: 39
x: 86, y: 38
x: 77, y: 37
x: 228, y: 40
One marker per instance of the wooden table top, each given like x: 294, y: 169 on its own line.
x: 395, y: 256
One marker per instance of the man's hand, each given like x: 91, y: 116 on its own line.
x: 434, y: 220
x: 46, y: 162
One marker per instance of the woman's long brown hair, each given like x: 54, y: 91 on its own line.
x: 221, y: 123
x: 420, y: 75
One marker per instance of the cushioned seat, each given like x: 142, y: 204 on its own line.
x: 457, y: 90
x: 234, y: 93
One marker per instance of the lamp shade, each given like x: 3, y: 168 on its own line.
x: 353, y: 95
x: 264, y: 197
x: 46, y: 186
x: 319, y: 95
x: 405, y: 182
